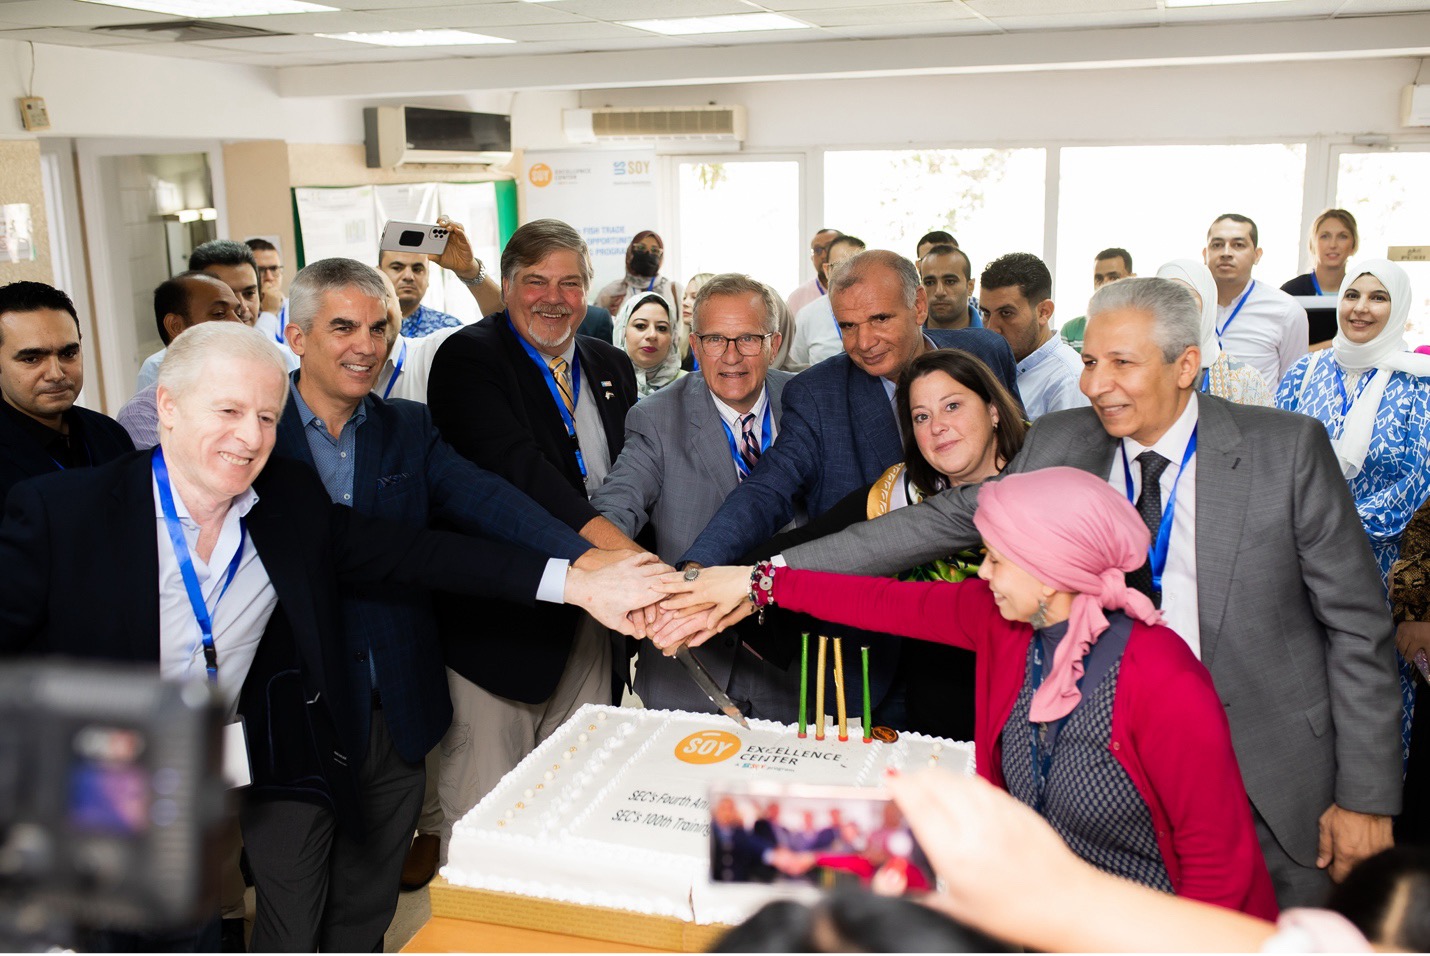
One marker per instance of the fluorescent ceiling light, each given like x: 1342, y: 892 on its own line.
x: 218, y: 8
x: 733, y: 23
x: 1216, y: 3
x: 418, y: 38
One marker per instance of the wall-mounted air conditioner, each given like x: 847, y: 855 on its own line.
x: 647, y: 123
x: 406, y: 135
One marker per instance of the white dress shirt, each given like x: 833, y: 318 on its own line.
x: 1269, y: 333
x: 1179, y: 578
x: 1048, y: 379
x: 238, y: 619
x: 816, y: 336
x: 416, y: 355
x: 731, y: 418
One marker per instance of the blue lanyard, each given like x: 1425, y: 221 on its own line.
x: 1232, y: 318
x: 396, y: 368
x: 1206, y: 379
x: 1315, y: 283
x: 1042, y: 762
x: 651, y: 285
x: 555, y: 391
x: 1341, y: 387
x: 186, y: 563
x: 282, y: 323
x: 1157, y: 554
x: 742, y: 466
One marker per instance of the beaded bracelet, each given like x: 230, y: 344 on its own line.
x: 762, y: 583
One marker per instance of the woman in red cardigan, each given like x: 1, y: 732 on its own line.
x: 1088, y: 709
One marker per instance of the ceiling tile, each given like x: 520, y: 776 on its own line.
x: 998, y: 9
x: 62, y: 37
x: 1087, y: 21
x: 278, y: 44
x: 903, y: 30
x: 1290, y: 9
x: 908, y: 13
x: 651, y: 9
x: 454, y: 16
x: 72, y: 13
x: 780, y: 6
x: 574, y: 32
x: 342, y: 21
x: 478, y: 19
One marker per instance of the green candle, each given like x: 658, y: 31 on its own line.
x: 804, y: 681
x: 868, y: 708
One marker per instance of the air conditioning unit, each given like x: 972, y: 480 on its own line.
x: 407, y: 135
x: 646, y: 123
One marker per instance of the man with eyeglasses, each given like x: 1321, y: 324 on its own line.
x: 818, y: 257
x: 687, y: 446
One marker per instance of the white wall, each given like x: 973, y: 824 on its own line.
x: 1231, y: 102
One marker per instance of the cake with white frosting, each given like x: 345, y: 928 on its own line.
x: 612, y: 810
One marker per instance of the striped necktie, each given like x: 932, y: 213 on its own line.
x: 749, y: 448
x: 562, y: 372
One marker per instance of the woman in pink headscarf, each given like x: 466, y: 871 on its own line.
x: 1089, y: 709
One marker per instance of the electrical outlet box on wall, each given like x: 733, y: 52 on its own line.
x: 33, y: 114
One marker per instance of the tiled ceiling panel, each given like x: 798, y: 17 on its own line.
x: 571, y: 26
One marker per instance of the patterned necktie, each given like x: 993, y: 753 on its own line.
x: 1149, y: 506
x: 749, y: 448
x: 562, y: 372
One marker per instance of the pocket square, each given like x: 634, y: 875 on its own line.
x: 387, y: 481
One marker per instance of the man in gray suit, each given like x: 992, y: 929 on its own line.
x: 687, y: 446
x: 1268, y: 575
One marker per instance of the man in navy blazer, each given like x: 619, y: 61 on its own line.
x: 93, y: 561
x: 522, y: 394
x: 42, y: 430
x: 385, y: 458
x: 839, y: 432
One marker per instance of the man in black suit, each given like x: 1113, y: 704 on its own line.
x: 521, y: 394
x: 238, y: 579
x: 42, y: 430
x: 381, y: 458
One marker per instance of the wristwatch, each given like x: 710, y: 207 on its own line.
x: 476, y: 280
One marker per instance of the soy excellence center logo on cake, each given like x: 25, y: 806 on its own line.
x: 707, y: 746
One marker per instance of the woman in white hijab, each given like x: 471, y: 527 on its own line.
x: 1221, y: 375
x: 1373, y: 395
x: 648, y: 330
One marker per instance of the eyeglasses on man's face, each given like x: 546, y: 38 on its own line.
x: 714, y: 346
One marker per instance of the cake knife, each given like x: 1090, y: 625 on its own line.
x: 712, y: 690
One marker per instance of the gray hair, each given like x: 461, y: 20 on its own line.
x: 1177, y: 324
x: 191, y: 350
x: 315, y: 281
x: 538, y: 239
x: 734, y: 283
x: 855, y: 270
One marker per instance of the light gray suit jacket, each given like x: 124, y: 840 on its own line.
x: 1294, y: 624
x: 674, y: 472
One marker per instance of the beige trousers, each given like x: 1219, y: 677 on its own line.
x: 490, y: 735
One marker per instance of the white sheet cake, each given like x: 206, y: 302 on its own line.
x: 612, y: 809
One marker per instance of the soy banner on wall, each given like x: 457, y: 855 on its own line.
x: 608, y: 195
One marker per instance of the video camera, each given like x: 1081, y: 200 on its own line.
x: 110, y: 792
